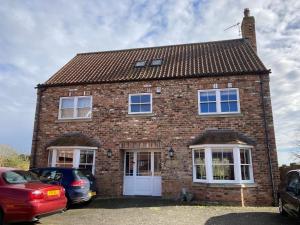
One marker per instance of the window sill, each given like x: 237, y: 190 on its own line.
x: 225, y: 185
x: 73, y: 120
x: 141, y: 115
x: 221, y: 115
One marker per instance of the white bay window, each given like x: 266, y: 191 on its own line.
x: 72, y: 157
x: 222, y: 164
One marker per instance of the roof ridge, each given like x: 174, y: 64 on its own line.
x: 162, y: 46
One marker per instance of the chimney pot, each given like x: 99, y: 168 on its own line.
x: 246, y: 12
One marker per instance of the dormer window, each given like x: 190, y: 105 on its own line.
x: 156, y: 62
x: 140, y: 63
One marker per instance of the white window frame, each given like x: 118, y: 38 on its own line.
x: 209, y: 166
x: 218, y: 102
x: 139, y: 94
x: 75, y: 109
x: 76, y: 155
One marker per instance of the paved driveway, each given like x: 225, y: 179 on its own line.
x: 145, y: 211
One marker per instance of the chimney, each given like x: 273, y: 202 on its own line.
x: 248, y: 28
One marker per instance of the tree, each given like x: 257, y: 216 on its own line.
x: 10, y: 158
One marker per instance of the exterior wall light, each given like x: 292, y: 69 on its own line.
x: 171, y: 152
x: 109, y: 153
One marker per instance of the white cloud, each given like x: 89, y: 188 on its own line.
x: 38, y: 37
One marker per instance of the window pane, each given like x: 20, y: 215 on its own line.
x: 203, y: 97
x: 204, y: 107
x: 84, y: 102
x: 245, y: 170
x: 211, y: 96
x: 129, y: 164
x: 87, y: 167
x: 227, y: 157
x: 216, y: 157
x: 143, y: 164
x: 232, y: 95
x: 223, y: 172
x: 67, y: 113
x: 224, y: 107
x: 212, y: 107
x: 84, y: 112
x: 233, y: 106
x: 245, y: 156
x: 135, y: 99
x: 145, y: 108
x: 67, y: 103
x: 200, y: 172
x: 199, y: 157
x: 224, y: 95
x: 64, y: 157
x: 135, y: 108
x: 145, y: 98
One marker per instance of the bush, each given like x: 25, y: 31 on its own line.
x: 10, y: 158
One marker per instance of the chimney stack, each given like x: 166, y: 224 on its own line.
x: 248, y: 28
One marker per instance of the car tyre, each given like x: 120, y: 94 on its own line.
x: 280, y: 207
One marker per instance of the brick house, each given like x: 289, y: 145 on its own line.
x: 152, y: 121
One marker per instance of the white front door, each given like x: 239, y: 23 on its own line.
x: 142, y: 173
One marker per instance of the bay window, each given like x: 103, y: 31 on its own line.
x: 222, y: 164
x: 78, y: 107
x: 72, y: 157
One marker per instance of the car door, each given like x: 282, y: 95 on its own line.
x: 292, y: 193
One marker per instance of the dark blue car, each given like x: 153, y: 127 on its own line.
x: 80, y: 184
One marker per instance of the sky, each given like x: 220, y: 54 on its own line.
x: 39, y: 37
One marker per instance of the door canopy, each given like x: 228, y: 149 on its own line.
x: 74, y: 139
x: 222, y: 136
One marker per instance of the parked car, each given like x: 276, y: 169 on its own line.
x: 24, y: 198
x: 289, y: 194
x: 80, y: 184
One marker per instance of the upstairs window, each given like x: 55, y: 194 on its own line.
x: 140, y: 103
x: 141, y: 63
x: 156, y: 62
x: 219, y: 101
x: 75, y: 107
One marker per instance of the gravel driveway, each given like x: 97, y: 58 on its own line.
x: 146, y: 211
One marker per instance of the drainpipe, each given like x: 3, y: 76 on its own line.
x: 36, y: 126
x: 267, y: 138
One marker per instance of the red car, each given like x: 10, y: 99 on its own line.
x: 24, y: 198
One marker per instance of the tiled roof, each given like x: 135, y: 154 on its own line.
x: 222, y: 136
x: 229, y: 57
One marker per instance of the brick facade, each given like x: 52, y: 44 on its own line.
x: 175, y: 122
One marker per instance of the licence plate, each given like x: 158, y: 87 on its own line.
x: 92, y: 193
x: 53, y: 193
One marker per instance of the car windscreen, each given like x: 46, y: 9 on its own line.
x: 19, y: 177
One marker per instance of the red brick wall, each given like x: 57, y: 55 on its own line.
x: 175, y: 122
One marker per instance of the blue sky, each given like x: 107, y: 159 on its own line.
x: 38, y: 37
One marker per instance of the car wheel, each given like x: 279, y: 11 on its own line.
x: 280, y: 207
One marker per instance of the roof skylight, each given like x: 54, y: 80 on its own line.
x: 156, y: 62
x: 141, y: 63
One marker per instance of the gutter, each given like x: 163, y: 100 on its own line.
x: 267, y: 139
x: 36, y: 126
